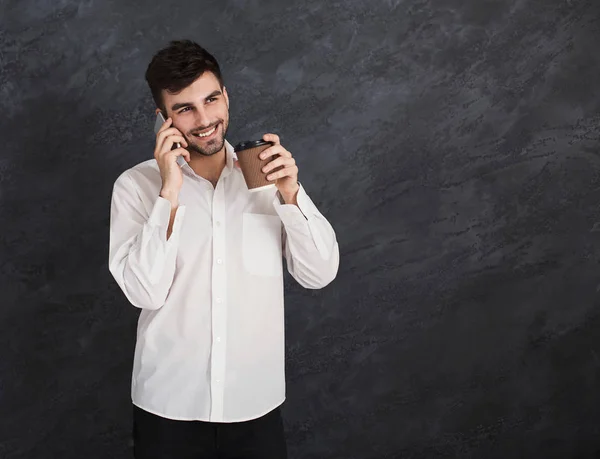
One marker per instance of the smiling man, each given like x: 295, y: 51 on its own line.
x: 202, y: 257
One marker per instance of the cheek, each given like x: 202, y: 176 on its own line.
x: 221, y: 112
x: 186, y: 124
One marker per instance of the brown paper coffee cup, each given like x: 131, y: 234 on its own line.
x: 251, y: 165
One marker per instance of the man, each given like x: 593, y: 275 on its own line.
x: 202, y: 257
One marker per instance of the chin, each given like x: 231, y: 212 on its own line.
x: 211, y: 150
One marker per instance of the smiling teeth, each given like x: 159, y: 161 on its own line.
x: 206, y: 134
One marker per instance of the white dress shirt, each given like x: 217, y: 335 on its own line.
x: 210, y: 336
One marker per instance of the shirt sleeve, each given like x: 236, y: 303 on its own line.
x: 141, y: 259
x: 309, y: 242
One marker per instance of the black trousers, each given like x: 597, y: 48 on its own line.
x: 155, y: 437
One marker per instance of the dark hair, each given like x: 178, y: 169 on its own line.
x: 177, y: 66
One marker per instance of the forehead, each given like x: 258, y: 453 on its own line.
x: 199, y: 89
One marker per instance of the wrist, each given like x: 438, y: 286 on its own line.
x: 290, y: 197
x: 171, y: 196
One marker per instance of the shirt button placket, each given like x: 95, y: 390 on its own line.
x: 219, y: 310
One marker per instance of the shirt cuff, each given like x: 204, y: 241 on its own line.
x: 161, y: 214
x: 291, y: 214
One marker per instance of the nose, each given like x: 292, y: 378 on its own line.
x: 202, y: 119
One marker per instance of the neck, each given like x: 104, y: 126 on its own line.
x: 209, y: 167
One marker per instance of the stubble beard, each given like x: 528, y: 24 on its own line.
x: 210, y: 148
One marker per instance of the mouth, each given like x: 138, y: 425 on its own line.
x: 207, y: 134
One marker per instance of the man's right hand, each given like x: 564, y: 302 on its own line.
x: 170, y: 171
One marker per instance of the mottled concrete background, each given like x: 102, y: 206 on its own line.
x: 453, y: 145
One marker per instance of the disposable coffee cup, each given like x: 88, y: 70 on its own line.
x: 251, y: 165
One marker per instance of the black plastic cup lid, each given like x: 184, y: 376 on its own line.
x: 251, y: 144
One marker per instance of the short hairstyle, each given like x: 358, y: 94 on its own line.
x: 177, y: 66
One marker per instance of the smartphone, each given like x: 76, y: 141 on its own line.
x: 160, y: 120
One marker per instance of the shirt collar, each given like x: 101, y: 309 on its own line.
x: 230, y: 158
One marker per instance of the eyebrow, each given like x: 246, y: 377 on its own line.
x: 189, y: 104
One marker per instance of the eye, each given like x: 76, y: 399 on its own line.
x: 211, y: 99
x: 185, y: 109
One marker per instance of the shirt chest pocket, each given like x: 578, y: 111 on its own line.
x: 261, y: 244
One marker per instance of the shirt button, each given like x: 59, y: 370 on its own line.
x: 218, y: 380
x: 219, y: 300
x: 218, y: 339
x: 219, y: 261
x: 218, y: 223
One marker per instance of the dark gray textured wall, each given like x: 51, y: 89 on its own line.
x: 452, y: 144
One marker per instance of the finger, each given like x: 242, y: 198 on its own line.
x: 236, y: 163
x: 163, y: 135
x: 160, y: 137
x: 171, y: 140
x: 182, y: 152
x: 275, y: 150
x: 186, y: 154
x: 291, y: 171
x: 165, y: 125
x: 272, y: 138
x: 167, y: 145
x: 281, y: 161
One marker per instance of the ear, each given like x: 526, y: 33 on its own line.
x: 226, y: 96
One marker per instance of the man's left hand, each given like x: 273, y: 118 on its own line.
x: 286, y: 179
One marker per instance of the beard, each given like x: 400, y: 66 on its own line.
x: 210, y: 147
